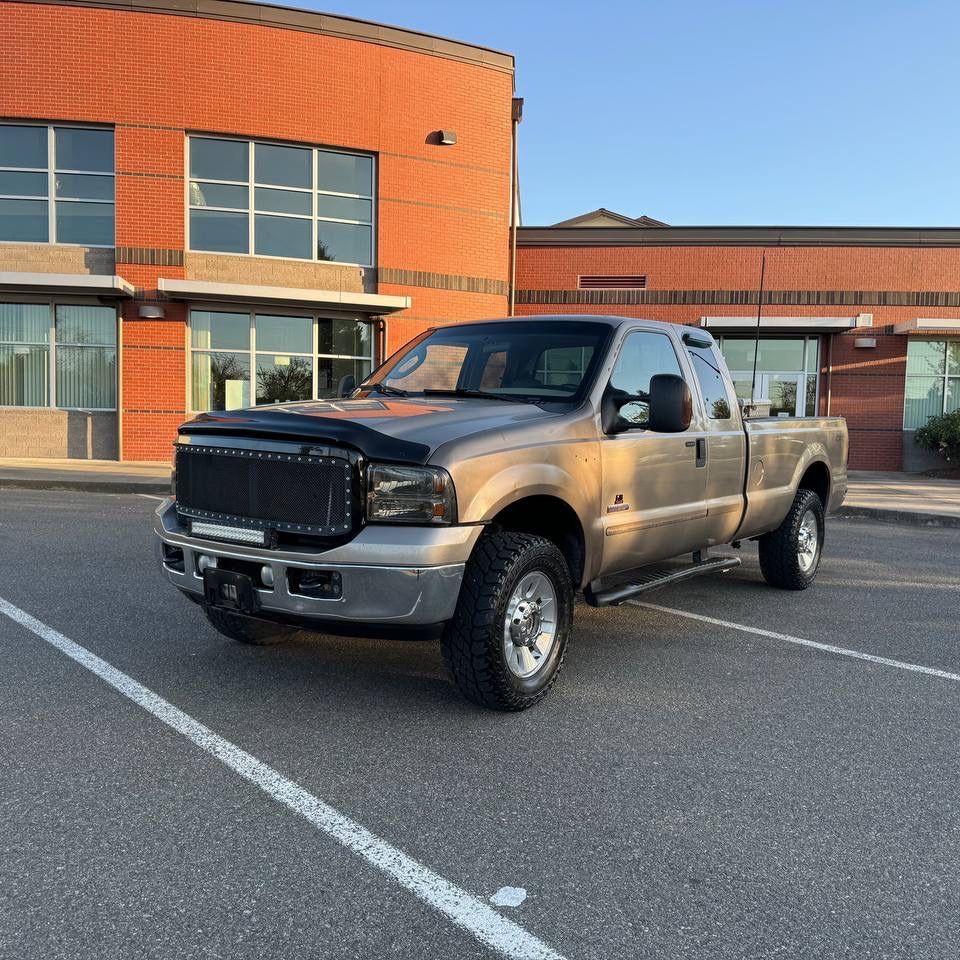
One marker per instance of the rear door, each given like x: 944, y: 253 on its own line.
x: 653, y: 484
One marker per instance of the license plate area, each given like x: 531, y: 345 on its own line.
x: 230, y: 590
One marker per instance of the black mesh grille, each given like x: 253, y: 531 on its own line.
x: 254, y: 488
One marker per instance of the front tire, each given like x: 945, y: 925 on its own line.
x: 505, y: 645
x: 790, y: 555
x: 258, y: 633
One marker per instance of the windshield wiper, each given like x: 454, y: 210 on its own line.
x: 388, y: 390
x: 481, y: 394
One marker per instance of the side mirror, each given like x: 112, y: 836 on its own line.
x: 347, y: 385
x: 671, y: 404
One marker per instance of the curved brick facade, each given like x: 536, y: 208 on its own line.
x: 156, y: 77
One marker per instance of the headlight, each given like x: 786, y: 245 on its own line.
x: 410, y: 494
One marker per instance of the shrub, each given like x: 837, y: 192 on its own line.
x: 942, y: 434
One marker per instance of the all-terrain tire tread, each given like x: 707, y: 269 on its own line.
x: 778, y: 549
x: 466, y: 644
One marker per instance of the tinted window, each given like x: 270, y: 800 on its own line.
x: 713, y: 385
x: 642, y: 356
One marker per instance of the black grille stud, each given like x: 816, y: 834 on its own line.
x: 262, y: 489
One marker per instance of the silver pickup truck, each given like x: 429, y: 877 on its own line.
x: 480, y: 479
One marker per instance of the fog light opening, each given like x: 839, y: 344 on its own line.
x: 173, y: 558
x: 317, y: 584
x: 205, y: 562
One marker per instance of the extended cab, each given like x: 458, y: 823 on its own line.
x: 480, y: 479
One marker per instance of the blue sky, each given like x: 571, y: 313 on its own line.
x: 726, y: 112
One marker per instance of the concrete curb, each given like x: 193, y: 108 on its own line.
x: 154, y: 489
x: 907, y: 517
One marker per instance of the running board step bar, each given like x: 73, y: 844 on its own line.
x: 654, y: 577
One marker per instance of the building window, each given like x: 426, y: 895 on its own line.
x: 787, y: 372
x: 60, y: 355
x: 56, y: 185
x: 239, y: 358
x: 933, y: 381
x: 270, y: 200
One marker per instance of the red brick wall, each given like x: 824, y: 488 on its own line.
x: 155, y: 77
x: 866, y: 385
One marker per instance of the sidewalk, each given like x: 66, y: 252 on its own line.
x: 92, y: 476
x: 903, y: 498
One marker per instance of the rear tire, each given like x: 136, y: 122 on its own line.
x: 790, y: 555
x: 505, y: 645
x: 258, y: 633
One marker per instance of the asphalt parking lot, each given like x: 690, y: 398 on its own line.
x: 688, y: 790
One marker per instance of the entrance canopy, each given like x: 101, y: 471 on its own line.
x: 787, y: 324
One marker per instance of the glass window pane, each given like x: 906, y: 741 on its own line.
x: 953, y: 357
x: 642, y: 356
x: 344, y: 242
x: 218, y: 231
x: 344, y: 208
x: 23, y: 146
x: 925, y: 358
x: 23, y: 184
x: 219, y: 159
x: 87, y: 377
x: 713, y: 385
x: 283, y: 237
x: 219, y: 195
x: 24, y: 375
x: 86, y: 325
x: 563, y: 366
x: 283, y: 166
x: 776, y: 354
x: 215, y: 330
x: 276, y: 334
x: 24, y: 220
x: 738, y: 354
x: 924, y: 399
x: 813, y: 355
x: 83, y: 149
x: 344, y: 173
x: 354, y: 338
x: 811, y: 396
x: 24, y: 323
x: 281, y: 378
x: 331, y: 371
x: 220, y: 381
x: 86, y: 223
x: 782, y: 394
x: 283, y: 201
x: 952, y: 401
x: 84, y: 187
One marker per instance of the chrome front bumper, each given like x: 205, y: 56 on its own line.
x: 415, y: 581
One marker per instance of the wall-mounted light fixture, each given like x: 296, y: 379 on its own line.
x: 150, y: 311
x: 447, y: 138
x: 865, y: 343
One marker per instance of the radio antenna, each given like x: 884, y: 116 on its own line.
x: 756, y: 342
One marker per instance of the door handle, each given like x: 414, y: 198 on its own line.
x: 701, y: 451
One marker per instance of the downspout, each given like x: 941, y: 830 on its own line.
x: 830, y: 337
x: 516, y: 115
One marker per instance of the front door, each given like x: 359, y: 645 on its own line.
x: 785, y: 393
x: 654, y: 484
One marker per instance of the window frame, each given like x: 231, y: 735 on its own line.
x: 52, y: 345
x: 805, y: 373
x: 51, y: 170
x: 252, y: 184
x: 252, y: 352
x: 946, y: 377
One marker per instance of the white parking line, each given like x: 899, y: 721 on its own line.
x: 465, y: 910
x: 149, y: 496
x: 826, y: 647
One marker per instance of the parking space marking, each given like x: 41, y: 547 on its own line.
x: 465, y: 910
x: 149, y: 496
x: 800, y: 641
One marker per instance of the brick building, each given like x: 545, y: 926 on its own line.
x: 858, y: 322
x: 213, y: 203
x: 264, y: 201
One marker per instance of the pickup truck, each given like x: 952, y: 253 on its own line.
x: 480, y: 480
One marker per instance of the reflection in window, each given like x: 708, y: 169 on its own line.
x: 933, y: 381
x: 280, y: 201
x: 78, y: 189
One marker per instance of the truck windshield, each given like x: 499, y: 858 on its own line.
x: 523, y: 360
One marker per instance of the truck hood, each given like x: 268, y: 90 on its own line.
x: 388, y: 428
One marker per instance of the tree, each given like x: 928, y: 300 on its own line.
x: 279, y: 384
